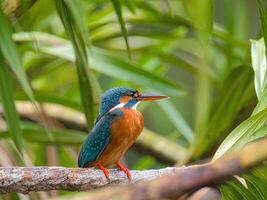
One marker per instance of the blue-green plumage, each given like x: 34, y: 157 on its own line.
x: 115, y: 130
x: 111, y: 98
x: 98, y: 139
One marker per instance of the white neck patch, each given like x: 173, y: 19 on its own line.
x: 122, y: 105
x: 117, y: 106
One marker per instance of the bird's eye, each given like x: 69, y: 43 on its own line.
x: 135, y: 95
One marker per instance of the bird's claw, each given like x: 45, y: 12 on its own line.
x: 125, y: 170
x: 105, y: 171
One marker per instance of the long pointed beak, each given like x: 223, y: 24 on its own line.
x: 151, y: 97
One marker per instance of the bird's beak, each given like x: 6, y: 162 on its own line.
x: 151, y: 97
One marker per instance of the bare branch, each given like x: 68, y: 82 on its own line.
x: 190, y: 178
x: 26, y: 179
x: 173, y: 183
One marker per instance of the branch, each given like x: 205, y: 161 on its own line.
x: 189, y: 178
x: 173, y: 183
x: 26, y: 179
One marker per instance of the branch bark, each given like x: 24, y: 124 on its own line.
x: 26, y: 179
x: 173, y: 183
x: 189, y: 178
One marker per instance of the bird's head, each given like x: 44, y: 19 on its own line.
x: 124, y: 97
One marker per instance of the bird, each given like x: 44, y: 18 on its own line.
x: 115, y: 130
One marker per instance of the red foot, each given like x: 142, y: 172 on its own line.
x: 104, y: 170
x: 125, y: 170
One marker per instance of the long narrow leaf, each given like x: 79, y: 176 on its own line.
x: 261, y: 104
x: 70, y: 12
x: 201, y: 16
x: 9, y: 51
x: 259, y: 65
x: 6, y: 92
x: 130, y: 4
x: 103, y: 63
x: 34, y: 133
x: 124, y: 70
x: 236, y: 92
x: 117, y: 7
x: 263, y: 17
x: 240, y: 134
x: 177, y: 119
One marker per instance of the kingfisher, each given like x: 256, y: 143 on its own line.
x: 116, y: 128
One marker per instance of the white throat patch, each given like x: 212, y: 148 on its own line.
x: 135, y: 105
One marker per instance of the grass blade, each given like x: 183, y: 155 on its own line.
x: 237, y: 90
x: 124, y: 70
x: 177, y: 119
x: 8, y: 101
x: 263, y: 17
x: 130, y: 4
x: 201, y: 17
x: 242, y: 133
x: 261, y: 104
x: 117, y: 7
x: 70, y: 12
x: 9, y: 51
x: 103, y: 63
x: 34, y: 133
x: 259, y: 65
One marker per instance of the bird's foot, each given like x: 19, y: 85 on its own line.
x: 125, y: 170
x: 104, y: 170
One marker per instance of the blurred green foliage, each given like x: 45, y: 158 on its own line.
x: 66, y: 52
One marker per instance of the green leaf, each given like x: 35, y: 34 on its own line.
x: 176, y: 118
x: 237, y: 90
x: 263, y: 17
x: 6, y: 92
x: 34, y: 133
x: 262, y: 103
x: 121, y: 69
x: 130, y: 4
x: 103, y: 62
x: 255, y: 186
x: 201, y: 17
x: 9, y: 51
x: 117, y: 7
x: 41, y: 10
x: 234, y: 190
x: 42, y: 97
x: 259, y: 65
x: 71, y: 15
x: 242, y: 134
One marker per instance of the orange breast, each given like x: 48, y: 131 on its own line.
x: 124, y: 132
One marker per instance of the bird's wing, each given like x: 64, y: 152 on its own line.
x: 98, y: 139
